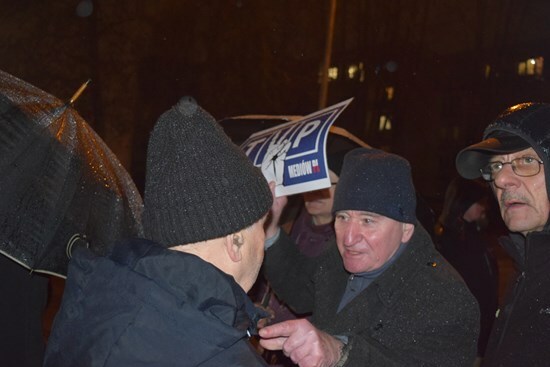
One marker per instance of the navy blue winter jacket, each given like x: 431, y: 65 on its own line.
x: 144, y: 305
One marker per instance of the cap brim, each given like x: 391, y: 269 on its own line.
x: 470, y: 160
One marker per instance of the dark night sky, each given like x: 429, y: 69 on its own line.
x: 241, y: 57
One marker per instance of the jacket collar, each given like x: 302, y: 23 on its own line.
x: 528, y: 252
x: 194, y: 282
x: 402, y: 269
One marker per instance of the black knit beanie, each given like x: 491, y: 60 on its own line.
x: 378, y: 182
x: 198, y: 184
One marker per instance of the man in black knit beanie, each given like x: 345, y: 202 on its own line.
x: 178, y: 296
x: 380, y: 294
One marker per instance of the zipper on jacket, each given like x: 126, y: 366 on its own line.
x: 518, y: 289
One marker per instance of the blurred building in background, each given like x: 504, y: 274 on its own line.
x: 426, y: 76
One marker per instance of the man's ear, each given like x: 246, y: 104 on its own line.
x: 233, y: 245
x: 408, y: 230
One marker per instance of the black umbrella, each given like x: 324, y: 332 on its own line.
x: 60, y: 185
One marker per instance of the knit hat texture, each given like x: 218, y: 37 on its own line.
x: 198, y: 184
x: 378, y: 182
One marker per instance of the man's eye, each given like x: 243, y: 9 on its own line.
x: 495, y: 166
x: 527, y: 160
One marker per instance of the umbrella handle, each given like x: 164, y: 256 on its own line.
x: 72, y: 241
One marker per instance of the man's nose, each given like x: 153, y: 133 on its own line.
x: 352, y: 234
x: 506, y: 177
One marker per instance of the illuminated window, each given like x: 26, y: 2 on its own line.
x: 533, y: 66
x: 487, y: 71
x: 355, y: 71
x: 352, y: 71
x: 389, y: 93
x: 333, y: 73
x: 384, y: 123
x: 521, y: 68
x: 530, y: 68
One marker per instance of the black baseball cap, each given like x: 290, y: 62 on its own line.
x: 470, y: 160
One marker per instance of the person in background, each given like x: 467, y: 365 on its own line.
x: 315, y: 225
x: 178, y: 296
x: 380, y: 294
x: 514, y: 158
x: 463, y: 239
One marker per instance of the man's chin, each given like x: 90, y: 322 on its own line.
x: 518, y: 226
x: 354, y: 266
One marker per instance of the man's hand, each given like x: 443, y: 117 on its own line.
x: 263, y: 322
x: 302, y: 342
x: 279, y: 204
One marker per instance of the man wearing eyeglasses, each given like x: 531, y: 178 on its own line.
x: 512, y: 157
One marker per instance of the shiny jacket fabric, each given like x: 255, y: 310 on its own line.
x: 416, y: 313
x: 521, y: 334
x: 144, y: 305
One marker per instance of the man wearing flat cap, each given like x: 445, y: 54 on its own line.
x: 381, y: 295
x: 176, y: 297
x: 512, y: 157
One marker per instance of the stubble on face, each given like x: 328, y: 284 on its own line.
x: 524, y: 205
x: 366, y: 241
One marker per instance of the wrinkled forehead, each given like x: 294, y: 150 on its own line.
x: 509, y: 156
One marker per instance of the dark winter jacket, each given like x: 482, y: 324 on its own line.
x: 144, y: 305
x: 418, y: 312
x: 521, y: 336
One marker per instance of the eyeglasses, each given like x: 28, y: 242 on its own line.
x: 523, y: 166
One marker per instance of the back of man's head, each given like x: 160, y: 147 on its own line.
x: 198, y: 185
x: 375, y: 181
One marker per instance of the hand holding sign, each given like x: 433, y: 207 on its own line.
x: 293, y: 154
x: 274, y: 162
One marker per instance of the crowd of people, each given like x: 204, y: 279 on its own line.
x: 357, y: 281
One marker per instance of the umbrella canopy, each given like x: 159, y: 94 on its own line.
x: 60, y: 185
